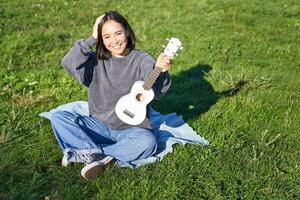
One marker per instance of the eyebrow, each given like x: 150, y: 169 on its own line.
x: 105, y: 34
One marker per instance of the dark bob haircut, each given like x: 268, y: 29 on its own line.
x: 101, y: 51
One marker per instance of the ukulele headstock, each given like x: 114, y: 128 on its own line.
x: 173, y: 46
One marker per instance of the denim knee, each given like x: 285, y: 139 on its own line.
x: 147, y: 139
x: 60, y: 117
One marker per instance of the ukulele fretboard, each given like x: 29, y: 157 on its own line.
x: 152, y: 78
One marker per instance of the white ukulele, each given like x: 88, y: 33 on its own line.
x: 131, y: 108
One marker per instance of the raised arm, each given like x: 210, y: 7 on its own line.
x: 81, y: 59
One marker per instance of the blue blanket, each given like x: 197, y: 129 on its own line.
x: 169, y: 129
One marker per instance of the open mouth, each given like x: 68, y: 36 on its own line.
x: 116, y: 47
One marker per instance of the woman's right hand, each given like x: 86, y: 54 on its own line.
x: 95, y: 28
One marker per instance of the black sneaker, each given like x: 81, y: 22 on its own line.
x: 90, y: 158
x: 87, y: 159
x: 95, y: 167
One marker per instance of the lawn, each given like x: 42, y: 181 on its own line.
x: 236, y: 83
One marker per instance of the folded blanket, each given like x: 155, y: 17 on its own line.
x: 169, y: 129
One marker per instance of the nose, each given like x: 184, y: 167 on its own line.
x: 115, y: 40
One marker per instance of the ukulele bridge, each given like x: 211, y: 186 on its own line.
x: 128, y: 113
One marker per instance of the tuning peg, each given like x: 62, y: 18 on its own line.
x: 168, y: 39
x: 163, y: 46
x: 176, y: 54
x: 181, y: 48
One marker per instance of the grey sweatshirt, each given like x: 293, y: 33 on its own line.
x: 108, y: 80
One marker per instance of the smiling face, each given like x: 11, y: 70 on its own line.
x: 114, y: 38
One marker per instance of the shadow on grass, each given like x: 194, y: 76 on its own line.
x: 191, y: 95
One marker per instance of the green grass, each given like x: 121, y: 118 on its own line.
x: 236, y: 83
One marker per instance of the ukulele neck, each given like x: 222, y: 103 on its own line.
x: 152, y: 78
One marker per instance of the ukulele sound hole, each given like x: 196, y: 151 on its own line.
x: 139, y: 97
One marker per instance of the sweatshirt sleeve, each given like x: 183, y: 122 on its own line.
x: 162, y: 83
x: 80, y: 60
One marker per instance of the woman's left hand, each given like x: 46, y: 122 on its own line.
x: 164, y: 62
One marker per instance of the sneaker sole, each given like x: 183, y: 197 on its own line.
x: 65, y: 162
x: 91, y: 172
x: 94, y: 169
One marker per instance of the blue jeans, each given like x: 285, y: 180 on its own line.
x: 79, y: 135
